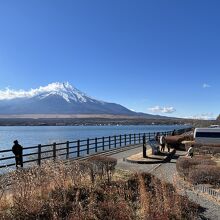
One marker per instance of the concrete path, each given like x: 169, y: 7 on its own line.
x: 122, y: 164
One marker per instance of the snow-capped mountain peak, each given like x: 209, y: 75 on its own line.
x: 64, y: 90
x: 55, y: 98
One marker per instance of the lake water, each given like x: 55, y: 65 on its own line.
x: 34, y: 135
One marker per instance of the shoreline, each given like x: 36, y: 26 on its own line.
x: 96, y: 120
x: 87, y: 122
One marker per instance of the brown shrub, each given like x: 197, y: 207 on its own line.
x: 159, y: 200
x: 210, y: 150
x: 205, y: 174
x: 142, y: 196
x: 102, y: 166
x: 120, y: 210
x: 216, y: 152
x: 199, y: 170
x: 184, y: 165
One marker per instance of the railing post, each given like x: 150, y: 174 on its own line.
x: 67, y: 149
x: 120, y: 140
x: 130, y: 139
x: 78, y: 148
x: 96, y: 145
x: 149, y: 136
x: 115, y: 141
x: 139, y: 137
x: 54, y: 151
x: 22, y: 159
x: 125, y: 140
x: 134, y: 138
x: 88, y: 146
x: 109, y: 142
x: 103, y: 143
x: 39, y: 155
x: 144, y: 147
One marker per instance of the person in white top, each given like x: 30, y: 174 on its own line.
x: 190, y: 151
x: 162, y: 143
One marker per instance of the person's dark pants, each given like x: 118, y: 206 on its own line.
x: 162, y: 147
x: 19, y: 160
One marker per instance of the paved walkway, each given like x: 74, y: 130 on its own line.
x: 167, y: 171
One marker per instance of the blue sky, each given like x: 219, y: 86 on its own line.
x: 154, y: 56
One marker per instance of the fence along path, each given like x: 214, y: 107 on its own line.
x: 77, y: 148
x: 207, y: 190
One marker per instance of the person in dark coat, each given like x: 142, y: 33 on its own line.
x: 157, y: 137
x: 17, y: 151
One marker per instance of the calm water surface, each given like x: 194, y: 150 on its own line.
x: 34, y: 135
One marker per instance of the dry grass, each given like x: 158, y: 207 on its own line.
x: 159, y: 200
x: 201, y: 169
x: 77, y: 191
x: 211, y: 149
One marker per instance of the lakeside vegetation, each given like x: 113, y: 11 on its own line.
x: 114, y: 120
x: 90, y: 190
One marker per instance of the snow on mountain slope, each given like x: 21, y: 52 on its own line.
x: 65, y: 90
x: 55, y: 98
x: 59, y: 98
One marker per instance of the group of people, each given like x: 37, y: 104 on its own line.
x: 162, y: 142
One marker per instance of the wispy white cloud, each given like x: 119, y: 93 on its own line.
x: 8, y: 93
x: 205, y: 86
x: 159, y: 109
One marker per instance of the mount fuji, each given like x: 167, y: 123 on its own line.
x: 57, y: 98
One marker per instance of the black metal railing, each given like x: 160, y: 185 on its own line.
x: 78, y: 148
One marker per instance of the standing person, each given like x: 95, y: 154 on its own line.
x: 173, y: 132
x: 162, y: 143
x: 157, y: 137
x: 191, y: 151
x: 168, y: 147
x: 17, y: 151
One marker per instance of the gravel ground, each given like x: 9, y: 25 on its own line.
x: 167, y: 172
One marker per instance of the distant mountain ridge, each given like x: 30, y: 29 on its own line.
x: 58, y: 98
